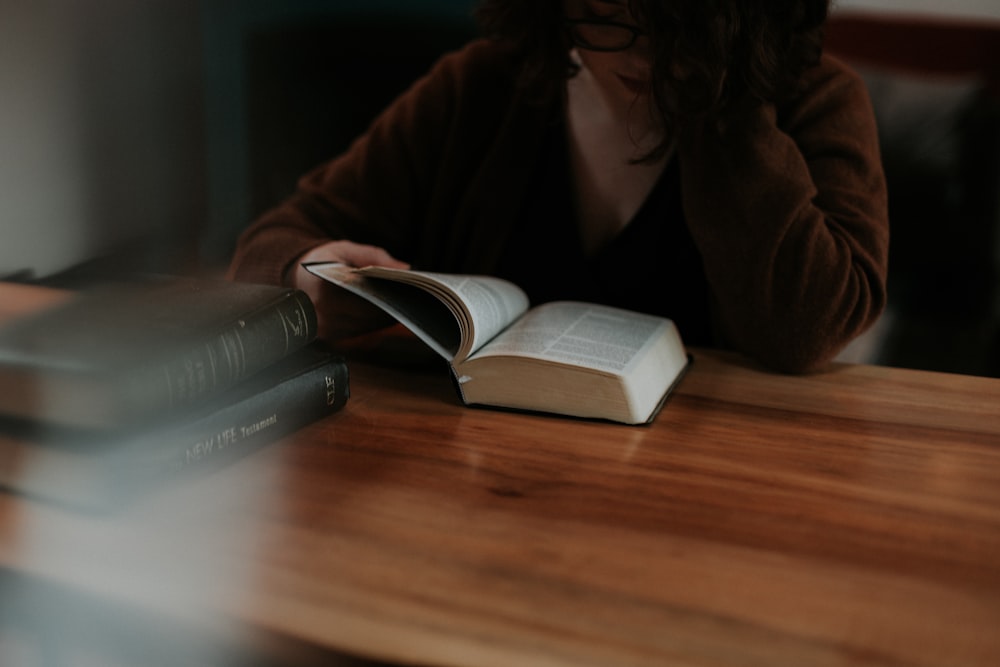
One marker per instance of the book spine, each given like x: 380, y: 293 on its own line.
x: 235, y: 430
x: 90, y: 471
x: 261, y: 418
x: 248, y: 345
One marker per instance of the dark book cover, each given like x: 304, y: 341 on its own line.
x: 94, y: 470
x: 124, y: 353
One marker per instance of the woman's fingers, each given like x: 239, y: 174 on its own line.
x: 342, y: 314
x: 353, y: 254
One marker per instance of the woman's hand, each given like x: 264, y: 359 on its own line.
x: 340, y: 313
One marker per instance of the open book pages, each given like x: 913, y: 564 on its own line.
x: 589, y: 360
x: 565, y: 357
x: 430, y: 304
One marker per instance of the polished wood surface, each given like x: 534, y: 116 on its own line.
x: 845, y: 518
x: 17, y: 300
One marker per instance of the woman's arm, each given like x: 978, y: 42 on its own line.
x: 788, y: 207
x: 366, y: 207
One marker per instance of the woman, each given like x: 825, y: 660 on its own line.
x: 696, y: 159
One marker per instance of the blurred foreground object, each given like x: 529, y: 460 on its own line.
x: 123, y: 353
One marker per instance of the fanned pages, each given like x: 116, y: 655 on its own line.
x: 567, y: 357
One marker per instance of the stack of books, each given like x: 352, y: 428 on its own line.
x: 107, y: 390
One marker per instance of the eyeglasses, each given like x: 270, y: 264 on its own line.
x: 602, y: 35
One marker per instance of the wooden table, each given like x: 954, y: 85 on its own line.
x: 846, y: 518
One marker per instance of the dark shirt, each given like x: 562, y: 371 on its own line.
x: 785, y: 204
x: 651, y: 266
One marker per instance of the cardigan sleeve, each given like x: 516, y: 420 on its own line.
x: 381, y: 190
x: 788, y: 208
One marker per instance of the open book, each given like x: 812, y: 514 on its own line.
x: 564, y: 357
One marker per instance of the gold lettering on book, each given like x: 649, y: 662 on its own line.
x: 259, y: 426
x: 331, y: 390
x: 297, y: 325
x: 206, y: 447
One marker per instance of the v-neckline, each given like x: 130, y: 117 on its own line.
x: 607, y: 190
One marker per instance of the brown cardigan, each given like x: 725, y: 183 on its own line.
x: 786, y: 206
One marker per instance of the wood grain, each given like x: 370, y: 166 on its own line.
x: 17, y: 300
x: 845, y: 518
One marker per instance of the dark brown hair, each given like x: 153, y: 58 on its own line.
x: 706, y: 53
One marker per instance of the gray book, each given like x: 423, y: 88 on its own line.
x: 124, y: 354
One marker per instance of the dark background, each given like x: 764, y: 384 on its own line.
x: 144, y: 135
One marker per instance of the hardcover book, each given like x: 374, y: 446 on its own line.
x: 98, y: 470
x: 126, y: 353
x: 570, y: 358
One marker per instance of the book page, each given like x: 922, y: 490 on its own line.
x: 588, y: 335
x: 415, y: 308
x: 484, y: 305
